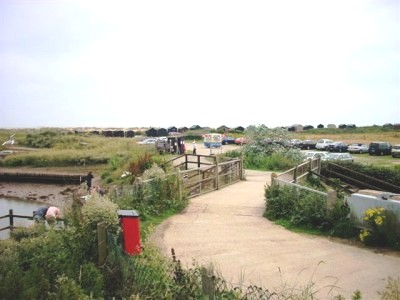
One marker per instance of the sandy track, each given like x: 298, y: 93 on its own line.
x: 226, y: 228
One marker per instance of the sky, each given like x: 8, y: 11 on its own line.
x: 208, y: 63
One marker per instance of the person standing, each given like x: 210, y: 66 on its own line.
x: 89, y: 178
x: 194, y: 147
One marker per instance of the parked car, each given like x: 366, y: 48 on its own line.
x: 307, y: 145
x: 340, y: 157
x: 228, y: 140
x: 240, y: 141
x: 338, y: 147
x: 309, y: 155
x: 295, y: 142
x: 148, y: 141
x: 358, y: 148
x: 396, y: 150
x: 323, y: 144
x: 380, y: 148
x: 6, y: 152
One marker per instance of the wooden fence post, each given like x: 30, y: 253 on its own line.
x: 273, y: 177
x: 241, y: 167
x: 216, y: 174
x: 331, y: 199
x: 295, y: 175
x: 207, y: 282
x: 102, y: 242
x: 10, y: 215
x: 180, y: 184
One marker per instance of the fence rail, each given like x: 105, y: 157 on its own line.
x: 11, y: 217
x: 300, y: 171
x: 292, y: 176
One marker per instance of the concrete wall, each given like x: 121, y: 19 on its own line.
x: 359, y: 203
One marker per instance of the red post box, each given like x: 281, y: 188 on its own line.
x: 129, y: 221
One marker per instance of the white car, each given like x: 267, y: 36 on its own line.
x: 323, y: 144
x: 358, y: 148
x: 396, y: 150
x: 340, y: 157
x: 147, y: 141
x: 309, y: 155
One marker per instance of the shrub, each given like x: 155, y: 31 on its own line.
x: 381, y: 228
x: 280, y: 202
x: 99, y: 209
x: 306, y: 209
x: 310, y: 211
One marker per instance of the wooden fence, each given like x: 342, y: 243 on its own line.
x: 201, y: 174
x: 294, y: 175
x: 11, y: 217
x: 297, y: 173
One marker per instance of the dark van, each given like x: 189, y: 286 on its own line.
x: 380, y: 148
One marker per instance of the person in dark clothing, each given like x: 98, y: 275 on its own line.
x: 89, y: 178
x: 40, y: 213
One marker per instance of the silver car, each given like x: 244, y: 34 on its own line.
x: 358, y: 148
x: 340, y: 157
x: 396, y: 150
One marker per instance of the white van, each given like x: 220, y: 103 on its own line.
x: 323, y: 144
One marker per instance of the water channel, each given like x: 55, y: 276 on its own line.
x: 20, y: 207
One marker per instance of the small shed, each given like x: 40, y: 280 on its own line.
x: 152, y: 132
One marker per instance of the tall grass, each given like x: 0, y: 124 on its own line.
x: 77, y: 151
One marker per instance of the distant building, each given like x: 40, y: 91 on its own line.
x: 239, y: 128
x: 162, y: 132
x: 331, y: 126
x: 172, y: 129
x: 195, y: 127
x: 296, y: 128
x: 308, y: 127
x: 129, y: 133
x: 152, y: 132
x: 223, y: 129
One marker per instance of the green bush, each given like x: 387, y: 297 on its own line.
x: 280, y: 202
x: 381, y: 228
x: 99, y: 209
x: 308, y: 210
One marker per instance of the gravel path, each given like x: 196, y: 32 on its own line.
x: 226, y: 228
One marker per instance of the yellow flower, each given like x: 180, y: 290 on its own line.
x: 363, y: 234
x: 378, y: 220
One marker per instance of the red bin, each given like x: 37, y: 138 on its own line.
x: 129, y: 221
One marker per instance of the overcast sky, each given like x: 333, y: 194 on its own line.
x: 208, y: 63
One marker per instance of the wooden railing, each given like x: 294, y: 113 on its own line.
x: 11, y: 217
x: 297, y: 173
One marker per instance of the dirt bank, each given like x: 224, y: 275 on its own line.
x: 52, y: 194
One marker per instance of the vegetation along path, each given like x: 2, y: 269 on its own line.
x: 226, y: 228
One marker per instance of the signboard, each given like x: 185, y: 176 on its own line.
x: 212, y: 140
